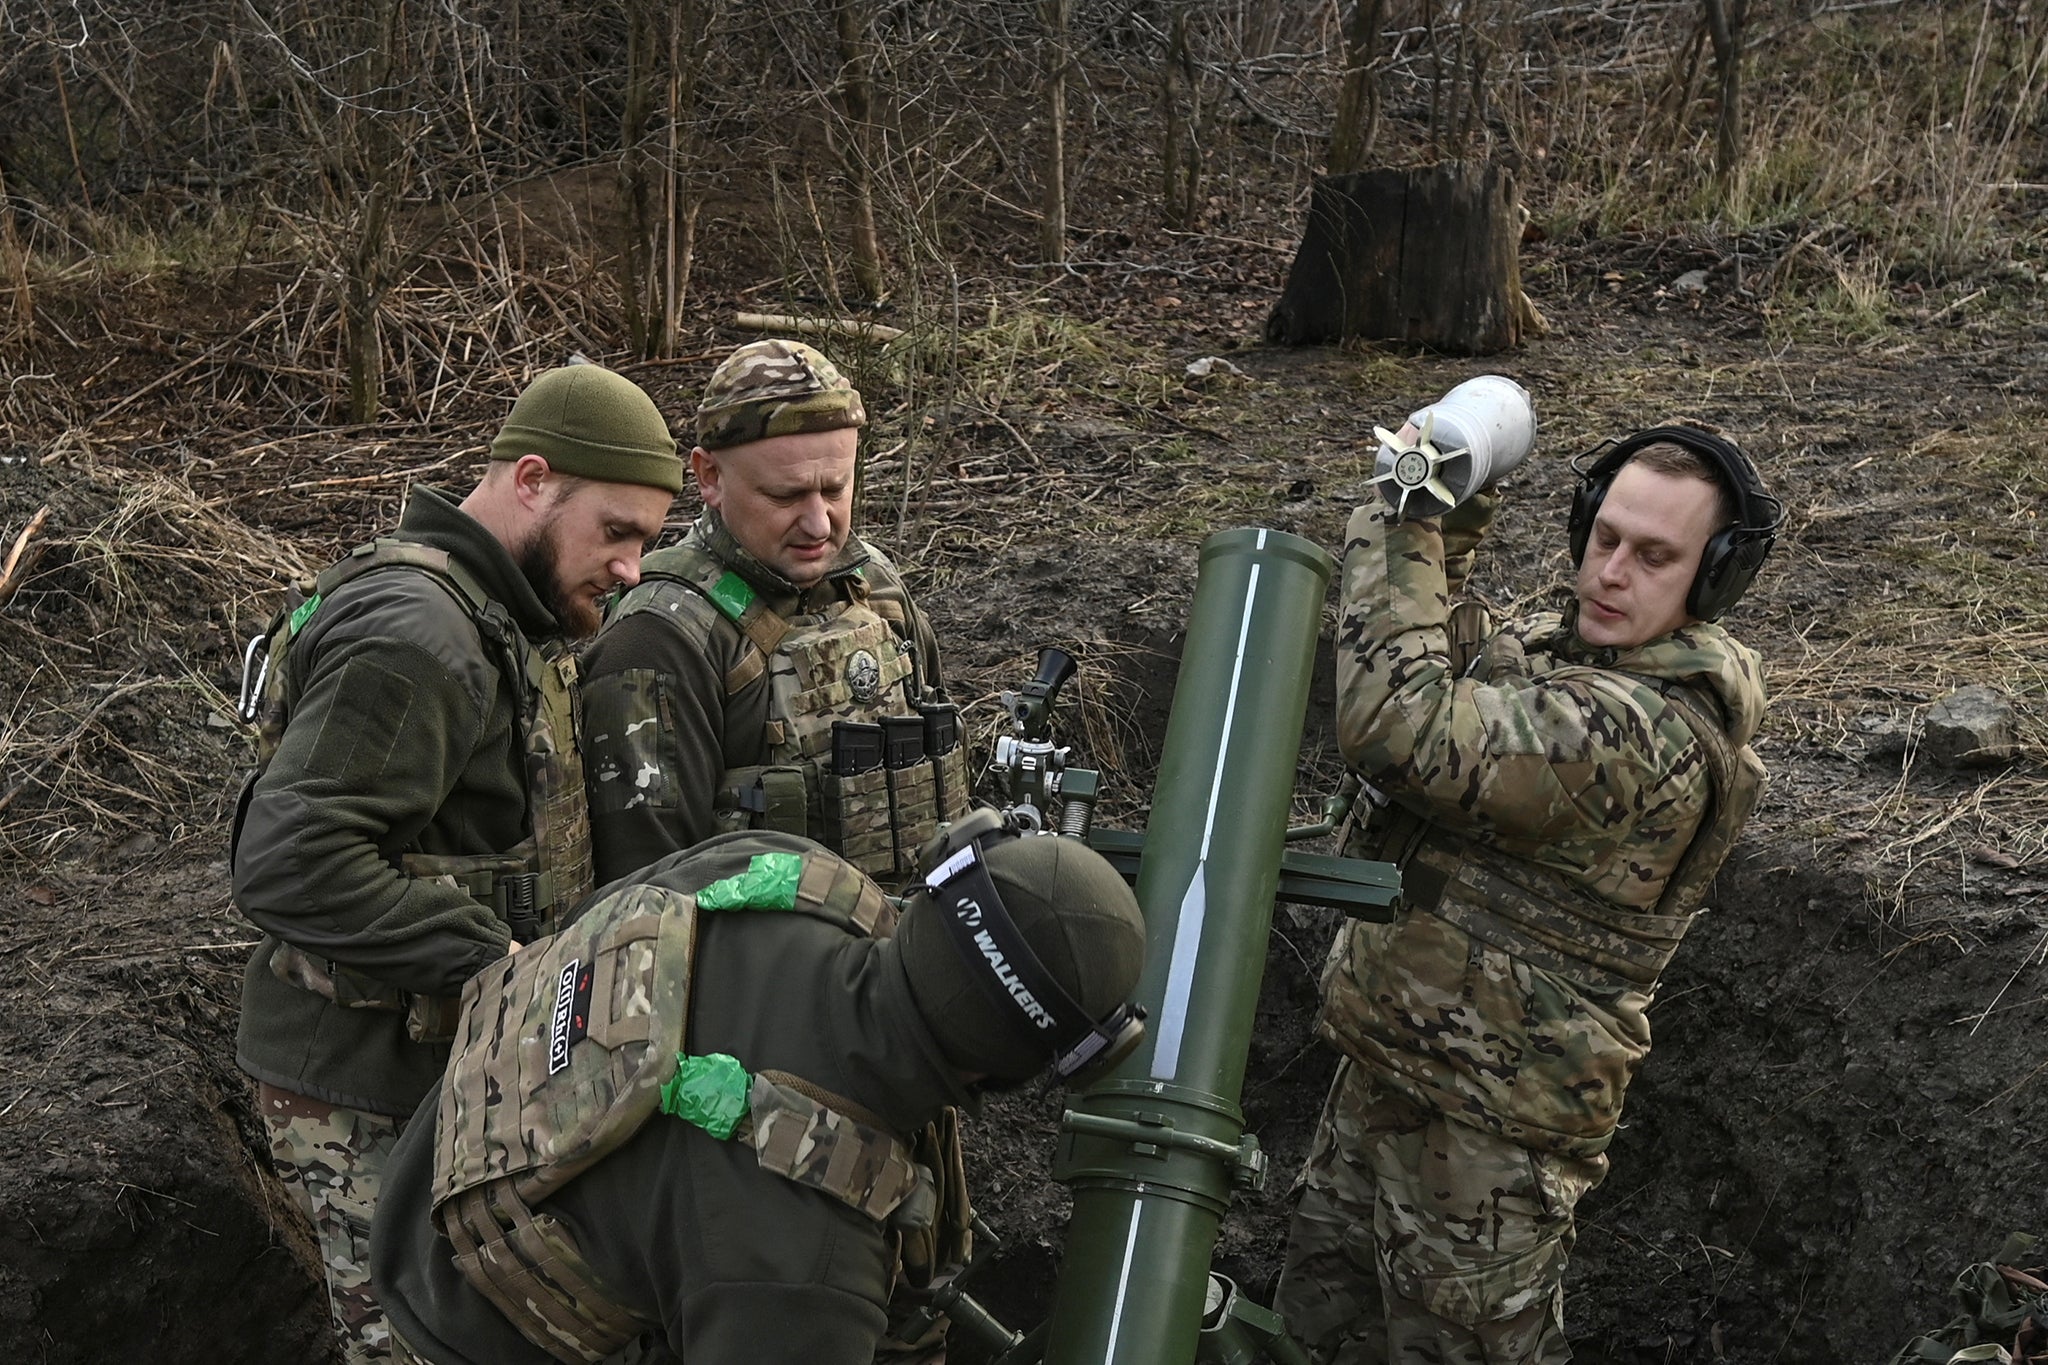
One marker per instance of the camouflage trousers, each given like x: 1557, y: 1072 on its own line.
x: 1422, y: 1241
x: 332, y: 1161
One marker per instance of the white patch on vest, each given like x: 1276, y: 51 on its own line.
x: 565, y: 1009
x: 647, y: 774
x: 639, y: 725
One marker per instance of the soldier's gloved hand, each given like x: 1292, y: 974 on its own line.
x: 1464, y: 527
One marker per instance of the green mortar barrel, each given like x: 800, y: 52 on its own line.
x: 1155, y: 1151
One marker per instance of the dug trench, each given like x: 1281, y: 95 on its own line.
x: 1844, y: 1105
x: 1820, y: 1117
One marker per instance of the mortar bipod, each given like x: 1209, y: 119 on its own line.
x: 1236, y: 1331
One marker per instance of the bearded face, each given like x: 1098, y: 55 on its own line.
x: 540, y: 561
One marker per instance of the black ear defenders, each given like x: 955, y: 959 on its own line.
x: 1039, y: 1010
x: 1733, y: 554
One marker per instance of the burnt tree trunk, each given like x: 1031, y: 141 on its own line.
x: 1424, y: 256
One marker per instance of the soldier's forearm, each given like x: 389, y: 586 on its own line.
x: 1395, y: 606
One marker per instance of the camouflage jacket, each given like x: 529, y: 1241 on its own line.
x: 668, y: 653
x: 405, y: 739
x: 734, y: 1261
x: 1565, y: 760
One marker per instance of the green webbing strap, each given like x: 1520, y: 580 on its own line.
x: 769, y: 883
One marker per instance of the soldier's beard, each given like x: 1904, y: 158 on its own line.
x: 540, y: 563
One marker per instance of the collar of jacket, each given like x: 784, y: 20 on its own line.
x: 1701, y: 652
x: 783, y: 596
x: 434, y: 518
x: 907, y: 1077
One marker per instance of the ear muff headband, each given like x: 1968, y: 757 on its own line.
x: 1037, y: 1009
x: 1733, y: 554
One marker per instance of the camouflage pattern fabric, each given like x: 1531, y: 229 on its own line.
x: 2003, y: 1303
x: 826, y: 1149
x: 561, y: 1056
x: 563, y: 1047
x: 330, y: 1160
x: 775, y: 388
x: 626, y: 765
x: 1567, y: 762
x: 1420, y: 1240
x: 845, y: 661
x: 556, y: 792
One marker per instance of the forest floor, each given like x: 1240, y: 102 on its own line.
x: 1846, y: 1104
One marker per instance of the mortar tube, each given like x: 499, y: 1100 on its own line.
x: 1155, y: 1151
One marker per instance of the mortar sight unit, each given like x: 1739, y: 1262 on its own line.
x: 1156, y: 1150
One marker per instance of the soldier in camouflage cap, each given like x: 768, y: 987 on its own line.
x: 753, y: 1211
x: 1559, y: 792
x: 720, y: 689
x: 775, y: 388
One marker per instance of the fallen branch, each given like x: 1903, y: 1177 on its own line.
x: 817, y: 327
x: 15, y: 570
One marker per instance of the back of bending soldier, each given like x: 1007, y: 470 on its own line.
x: 678, y: 1129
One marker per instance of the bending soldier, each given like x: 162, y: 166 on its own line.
x: 418, y: 805
x: 1559, y: 794
x: 770, y: 672
x: 677, y: 1129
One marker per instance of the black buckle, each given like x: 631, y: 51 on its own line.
x: 519, y: 893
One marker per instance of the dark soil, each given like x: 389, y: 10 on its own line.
x: 1845, y: 1103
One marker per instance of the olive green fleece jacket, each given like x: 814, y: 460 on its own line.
x: 691, y: 647
x: 735, y: 1263
x: 405, y: 737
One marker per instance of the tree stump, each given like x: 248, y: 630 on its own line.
x: 1426, y: 256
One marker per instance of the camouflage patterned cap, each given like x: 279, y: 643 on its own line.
x: 775, y: 388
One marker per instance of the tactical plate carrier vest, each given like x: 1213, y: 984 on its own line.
x: 1539, y: 915
x: 566, y: 1048
x: 529, y: 886
x: 856, y: 758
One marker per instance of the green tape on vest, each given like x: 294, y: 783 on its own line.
x: 769, y: 883
x: 302, y: 615
x: 709, y: 1091
x: 731, y: 595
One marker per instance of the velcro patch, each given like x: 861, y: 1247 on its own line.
x: 571, y: 1021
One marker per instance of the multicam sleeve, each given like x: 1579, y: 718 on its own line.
x: 1538, y: 758
x: 653, y: 712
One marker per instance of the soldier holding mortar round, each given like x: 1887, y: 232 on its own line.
x: 1559, y: 793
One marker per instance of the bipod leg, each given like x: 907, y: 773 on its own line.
x: 1236, y: 1331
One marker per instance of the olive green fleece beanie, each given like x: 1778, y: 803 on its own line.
x: 1082, y: 924
x: 588, y: 421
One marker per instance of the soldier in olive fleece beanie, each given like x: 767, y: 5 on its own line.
x: 587, y: 421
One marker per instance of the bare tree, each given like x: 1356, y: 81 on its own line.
x: 1358, y: 94
x: 1052, y: 224
x: 1180, y: 113
x: 853, y: 23
x: 1725, y: 21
